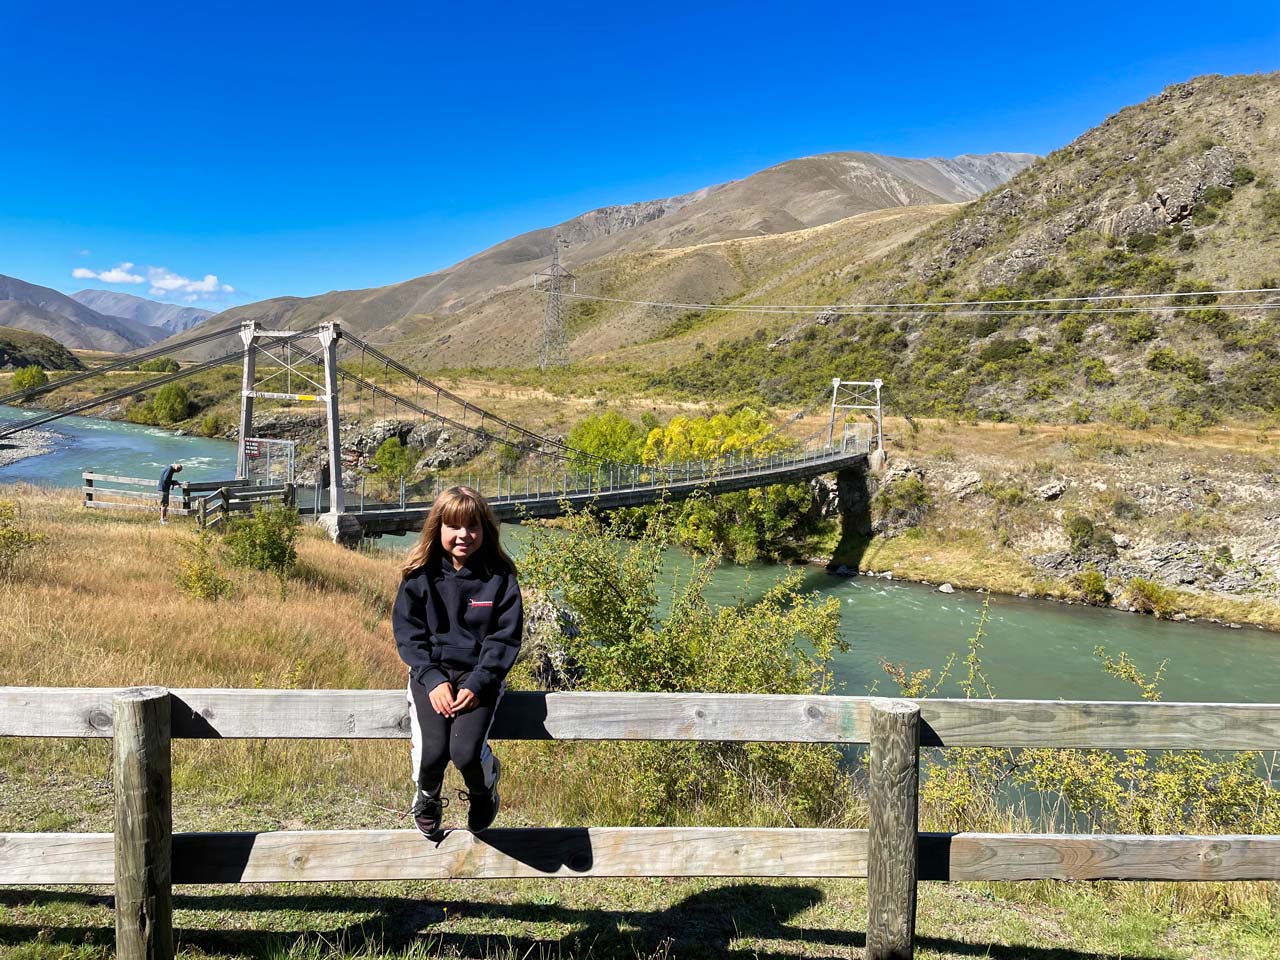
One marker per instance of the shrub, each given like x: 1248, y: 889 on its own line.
x: 15, y: 539
x: 1092, y: 586
x: 198, y: 573
x: 213, y: 425
x: 1136, y: 329
x: 159, y: 365
x: 1079, y: 532
x: 1269, y: 205
x: 1001, y: 349
x: 1125, y: 508
x: 1149, y: 597
x: 1097, y: 373
x: 1130, y: 413
x: 1242, y: 175
x: 171, y: 404
x: 266, y: 541
x: 1166, y: 359
x: 28, y: 378
x: 394, y: 459
x: 902, y: 503
x: 628, y: 639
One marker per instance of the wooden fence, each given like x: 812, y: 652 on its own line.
x: 143, y: 858
x: 227, y: 501
x: 104, y: 491
x: 210, y: 501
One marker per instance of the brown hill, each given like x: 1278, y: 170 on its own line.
x: 790, y: 196
x: 28, y: 306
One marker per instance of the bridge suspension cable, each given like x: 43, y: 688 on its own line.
x: 468, y: 406
x: 940, y: 307
x: 131, y: 360
x: 12, y: 427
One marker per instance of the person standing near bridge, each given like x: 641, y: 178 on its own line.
x: 166, y: 482
x: 458, y: 622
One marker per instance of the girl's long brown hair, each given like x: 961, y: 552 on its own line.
x: 458, y: 507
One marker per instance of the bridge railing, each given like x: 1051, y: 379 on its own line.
x: 509, y: 487
x: 143, y: 858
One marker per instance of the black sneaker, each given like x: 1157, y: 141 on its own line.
x: 484, y: 804
x: 427, y: 812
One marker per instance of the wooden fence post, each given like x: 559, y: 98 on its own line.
x: 88, y: 483
x: 893, y: 840
x: 142, y: 775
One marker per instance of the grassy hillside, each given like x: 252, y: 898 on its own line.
x: 22, y: 348
x: 1181, y: 192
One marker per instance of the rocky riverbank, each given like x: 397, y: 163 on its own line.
x: 29, y: 443
x: 1181, y: 527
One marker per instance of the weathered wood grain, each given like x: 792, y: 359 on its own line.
x: 86, y: 712
x: 141, y: 773
x: 71, y: 858
x: 994, y: 856
x: 31, y: 859
x: 893, y: 820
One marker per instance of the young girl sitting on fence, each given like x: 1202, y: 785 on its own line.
x: 458, y: 621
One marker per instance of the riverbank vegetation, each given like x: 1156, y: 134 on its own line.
x: 97, y: 605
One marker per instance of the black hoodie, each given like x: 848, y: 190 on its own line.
x: 466, y: 619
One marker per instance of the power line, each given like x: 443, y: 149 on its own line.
x: 899, y: 309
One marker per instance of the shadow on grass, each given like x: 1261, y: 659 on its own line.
x: 702, y: 925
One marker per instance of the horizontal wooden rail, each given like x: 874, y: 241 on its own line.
x: 383, y: 714
x: 334, y: 855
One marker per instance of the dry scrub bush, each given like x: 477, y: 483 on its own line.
x: 15, y: 539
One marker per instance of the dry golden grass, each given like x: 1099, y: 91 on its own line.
x: 98, y: 605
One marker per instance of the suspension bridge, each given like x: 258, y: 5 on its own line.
x: 545, y: 476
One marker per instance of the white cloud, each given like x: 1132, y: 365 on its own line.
x: 86, y: 253
x: 117, y: 274
x: 165, y: 282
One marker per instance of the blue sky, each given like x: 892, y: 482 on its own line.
x: 290, y: 149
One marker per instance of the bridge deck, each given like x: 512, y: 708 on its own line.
x: 393, y: 519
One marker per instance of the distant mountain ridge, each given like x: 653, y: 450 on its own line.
x: 28, y: 306
x: 797, y: 194
x: 170, y: 317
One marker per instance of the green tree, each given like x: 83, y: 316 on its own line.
x: 744, y: 526
x: 28, y: 378
x: 609, y: 435
x: 159, y: 365
x: 394, y: 459
x: 171, y: 404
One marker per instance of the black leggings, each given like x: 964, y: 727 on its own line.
x: 462, y: 738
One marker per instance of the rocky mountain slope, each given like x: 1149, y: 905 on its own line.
x: 790, y: 196
x: 22, y: 348
x: 1176, y: 193
x: 42, y: 310
x: 169, y: 317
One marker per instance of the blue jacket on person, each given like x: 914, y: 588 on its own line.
x: 466, y: 619
x: 166, y: 479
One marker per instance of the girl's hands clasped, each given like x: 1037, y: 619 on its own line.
x: 446, y: 704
